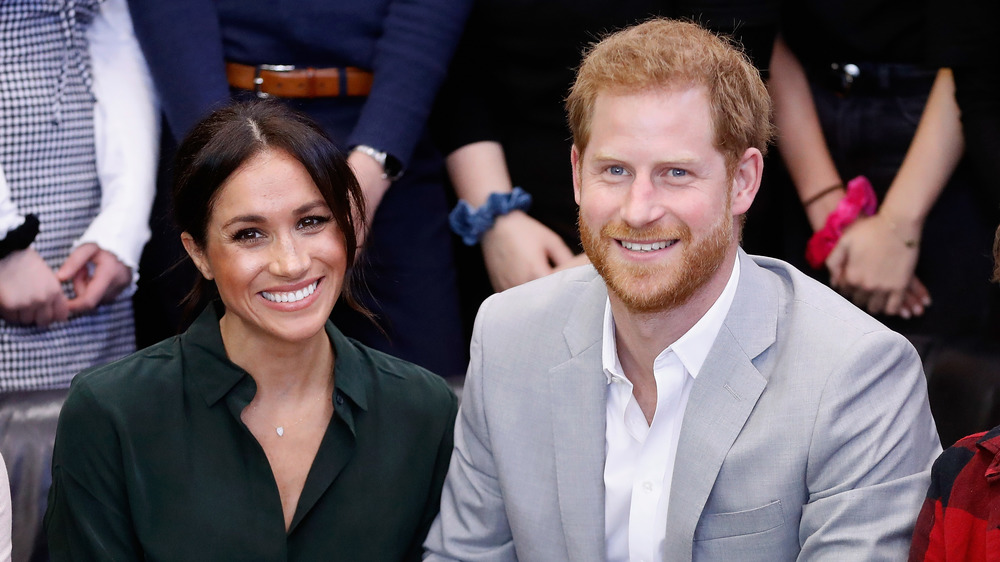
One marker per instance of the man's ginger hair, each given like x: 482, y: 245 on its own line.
x: 667, y: 54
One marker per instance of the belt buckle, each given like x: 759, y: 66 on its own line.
x: 847, y: 73
x: 258, y: 81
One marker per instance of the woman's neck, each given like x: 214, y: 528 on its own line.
x: 282, y: 369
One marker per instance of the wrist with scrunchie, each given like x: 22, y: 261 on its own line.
x: 470, y: 224
x: 859, y: 201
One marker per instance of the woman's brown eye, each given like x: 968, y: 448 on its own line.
x: 247, y: 234
x: 313, y: 222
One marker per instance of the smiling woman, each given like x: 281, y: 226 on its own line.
x: 262, y: 432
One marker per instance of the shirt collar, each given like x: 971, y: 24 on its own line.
x: 691, y: 348
x: 203, y: 340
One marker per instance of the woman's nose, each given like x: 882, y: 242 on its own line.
x: 288, y: 259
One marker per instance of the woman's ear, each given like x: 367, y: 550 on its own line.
x: 197, y: 255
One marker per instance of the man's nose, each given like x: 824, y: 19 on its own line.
x: 642, y: 204
x: 289, y: 259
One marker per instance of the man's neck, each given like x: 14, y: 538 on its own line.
x: 641, y: 336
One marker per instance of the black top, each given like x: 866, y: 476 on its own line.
x: 516, y: 63
x: 825, y: 31
x: 152, y: 461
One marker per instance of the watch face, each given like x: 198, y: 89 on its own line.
x: 393, y: 167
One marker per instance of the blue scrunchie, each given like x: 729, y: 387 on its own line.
x: 471, y: 223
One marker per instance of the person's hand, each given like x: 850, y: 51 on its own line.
x: 30, y: 292
x: 518, y: 249
x: 98, y: 277
x: 575, y: 261
x: 373, y: 186
x: 873, y: 266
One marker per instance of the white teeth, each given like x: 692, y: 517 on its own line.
x: 636, y: 247
x: 291, y: 297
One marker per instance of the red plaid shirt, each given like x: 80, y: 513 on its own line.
x: 960, y: 518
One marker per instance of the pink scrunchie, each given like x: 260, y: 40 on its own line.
x: 859, y: 201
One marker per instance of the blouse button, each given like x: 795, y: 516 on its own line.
x: 339, y: 399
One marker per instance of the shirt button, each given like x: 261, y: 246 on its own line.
x: 339, y: 399
x: 648, y: 486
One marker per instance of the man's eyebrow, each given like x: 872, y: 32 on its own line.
x: 682, y: 160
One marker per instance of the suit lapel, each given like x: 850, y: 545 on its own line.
x: 578, y: 391
x: 721, y: 400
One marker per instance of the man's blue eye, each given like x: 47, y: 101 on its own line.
x: 677, y: 173
x: 616, y: 170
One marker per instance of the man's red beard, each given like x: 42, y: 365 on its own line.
x: 657, y: 287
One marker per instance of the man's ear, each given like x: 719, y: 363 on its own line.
x: 197, y: 255
x: 574, y: 160
x: 746, y: 180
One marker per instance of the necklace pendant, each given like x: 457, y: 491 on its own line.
x: 280, y: 430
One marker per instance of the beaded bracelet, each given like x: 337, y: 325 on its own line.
x: 470, y: 224
x: 20, y: 237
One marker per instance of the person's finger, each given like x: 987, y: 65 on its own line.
x: 559, y: 252
x: 77, y: 261
x: 43, y: 315
x: 894, y: 304
x: 876, y: 302
x: 60, y: 308
x: 920, y: 291
x: 836, y: 262
x: 93, y: 292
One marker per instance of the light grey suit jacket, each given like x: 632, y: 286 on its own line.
x: 807, y: 434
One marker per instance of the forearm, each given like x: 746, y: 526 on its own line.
x: 411, y: 60
x: 800, y: 137
x: 930, y: 160
x: 477, y: 170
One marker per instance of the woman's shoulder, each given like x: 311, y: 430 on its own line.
x: 393, y: 379
x: 132, y: 379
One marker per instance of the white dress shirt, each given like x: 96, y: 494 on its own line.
x: 639, y: 463
x: 126, y: 131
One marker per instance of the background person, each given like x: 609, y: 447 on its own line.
x: 958, y: 519
x: 78, y: 142
x: 860, y: 90
x: 262, y: 432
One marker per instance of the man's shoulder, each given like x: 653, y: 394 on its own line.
x: 809, y: 300
x: 551, y: 296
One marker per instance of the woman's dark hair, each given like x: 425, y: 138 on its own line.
x: 233, y: 135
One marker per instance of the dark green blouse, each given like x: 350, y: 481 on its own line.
x: 152, y: 462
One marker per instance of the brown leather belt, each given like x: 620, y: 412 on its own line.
x: 286, y: 81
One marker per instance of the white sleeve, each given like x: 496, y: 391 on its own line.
x: 10, y: 217
x: 6, y: 514
x: 127, y: 135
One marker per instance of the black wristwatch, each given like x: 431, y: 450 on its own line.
x: 392, y: 168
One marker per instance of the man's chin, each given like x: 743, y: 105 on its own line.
x: 642, y: 298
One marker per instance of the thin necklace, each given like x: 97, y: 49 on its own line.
x: 280, y: 429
